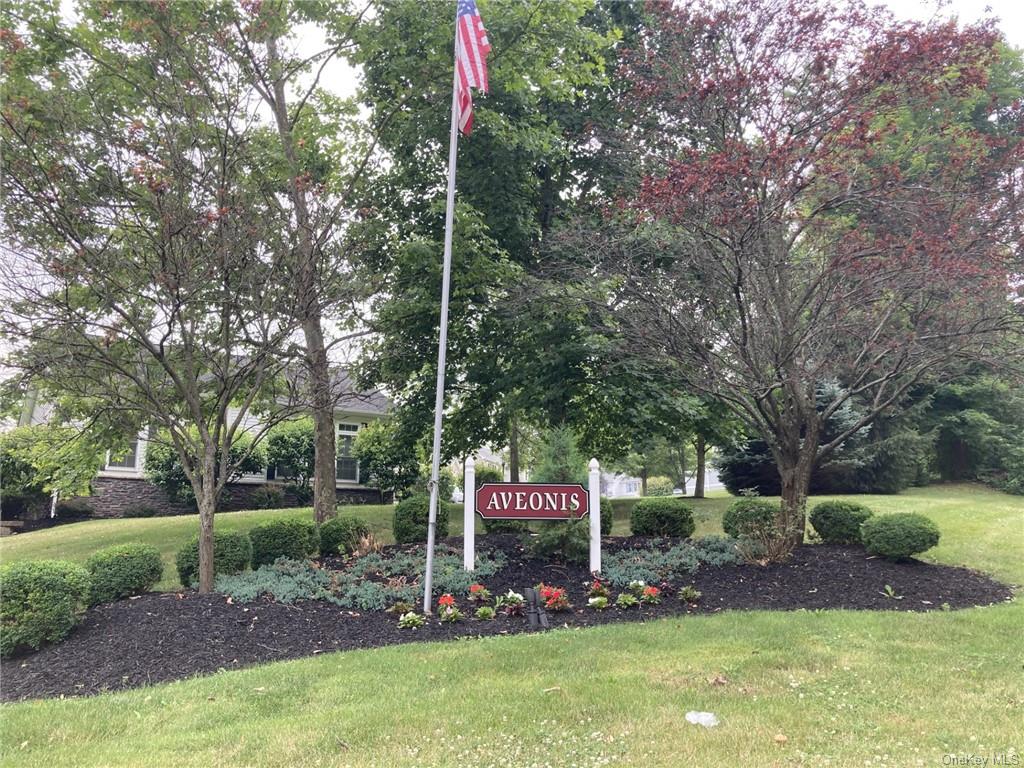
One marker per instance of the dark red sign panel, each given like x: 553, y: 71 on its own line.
x: 532, y: 501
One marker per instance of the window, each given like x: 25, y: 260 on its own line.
x: 126, y: 460
x: 348, y: 464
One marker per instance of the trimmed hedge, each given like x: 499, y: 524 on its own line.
x: 662, y: 516
x: 123, y: 570
x: 505, y: 526
x: 839, y: 522
x: 341, y: 535
x: 42, y: 602
x: 412, y: 516
x: 900, y: 535
x: 232, y: 552
x: 293, y: 539
x: 750, y: 518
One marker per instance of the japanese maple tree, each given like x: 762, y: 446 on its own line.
x: 827, y: 196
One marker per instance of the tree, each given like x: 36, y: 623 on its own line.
x: 139, y: 267
x: 559, y: 459
x: 390, y: 462
x: 827, y: 194
x: 318, y: 180
x: 291, y: 451
x: 521, y: 354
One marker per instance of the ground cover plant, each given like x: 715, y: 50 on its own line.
x: 837, y: 684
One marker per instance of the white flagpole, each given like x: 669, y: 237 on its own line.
x: 442, y: 344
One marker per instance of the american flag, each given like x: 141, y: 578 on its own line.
x: 471, y: 49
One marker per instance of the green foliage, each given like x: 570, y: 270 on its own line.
x: 284, y: 580
x: 661, y: 516
x: 140, y: 511
x: 660, y: 486
x: 412, y: 517
x: 607, y: 516
x: 654, y: 564
x: 485, y: 473
x: 411, y: 621
x: 232, y: 553
x: 839, y: 522
x: 40, y: 458
x: 290, y: 450
x: 288, y: 538
x: 42, y: 602
x: 567, y: 541
x: 689, y: 594
x: 341, y: 534
x: 387, y: 457
x: 485, y: 613
x: 559, y: 460
x: 626, y: 600
x: 900, y: 535
x: 163, y: 467
x: 267, y: 497
x: 750, y: 518
x: 123, y: 570
x: 505, y: 526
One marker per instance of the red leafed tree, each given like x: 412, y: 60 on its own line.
x: 834, y: 201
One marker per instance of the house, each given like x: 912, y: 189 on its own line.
x: 121, y: 486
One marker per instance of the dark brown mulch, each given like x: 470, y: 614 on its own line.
x: 160, y: 637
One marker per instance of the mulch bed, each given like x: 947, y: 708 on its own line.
x: 169, y: 636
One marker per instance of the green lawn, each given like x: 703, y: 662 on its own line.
x: 843, y: 688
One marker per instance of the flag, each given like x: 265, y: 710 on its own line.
x: 471, y: 49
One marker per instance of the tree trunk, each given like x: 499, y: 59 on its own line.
x: 796, y: 481
x: 643, y: 481
x: 206, y: 500
x: 698, y: 480
x: 513, y: 450
x: 322, y: 407
x: 682, y: 468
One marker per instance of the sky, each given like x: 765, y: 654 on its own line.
x: 1009, y: 12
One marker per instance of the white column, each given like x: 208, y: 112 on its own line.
x: 595, y: 516
x: 469, y: 517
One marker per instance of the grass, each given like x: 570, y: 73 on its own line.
x: 834, y: 688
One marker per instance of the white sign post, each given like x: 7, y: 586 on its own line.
x: 530, y: 499
x: 469, y: 517
x: 594, y: 489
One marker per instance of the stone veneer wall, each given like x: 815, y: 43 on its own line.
x: 113, y: 496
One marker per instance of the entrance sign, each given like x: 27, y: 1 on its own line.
x: 532, y: 501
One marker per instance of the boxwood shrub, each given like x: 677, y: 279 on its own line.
x: 123, y: 570
x: 839, y: 522
x: 662, y: 516
x: 750, y: 518
x: 900, y: 535
x: 412, y: 516
x: 340, y: 535
x: 42, y: 602
x: 232, y: 552
x: 291, y: 538
x: 505, y: 526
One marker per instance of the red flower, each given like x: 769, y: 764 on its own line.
x: 446, y: 601
x: 652, y: 591
x: 474, y: 588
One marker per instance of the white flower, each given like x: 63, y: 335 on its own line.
x: 515, y: 596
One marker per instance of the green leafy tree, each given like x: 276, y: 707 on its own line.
x: 291, y: 451
x: 390, y: 462
x: 559, y: 459
x: 521, y: 353
x: 143, y: 271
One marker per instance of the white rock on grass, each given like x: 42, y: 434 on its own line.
x: 707, y: 719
